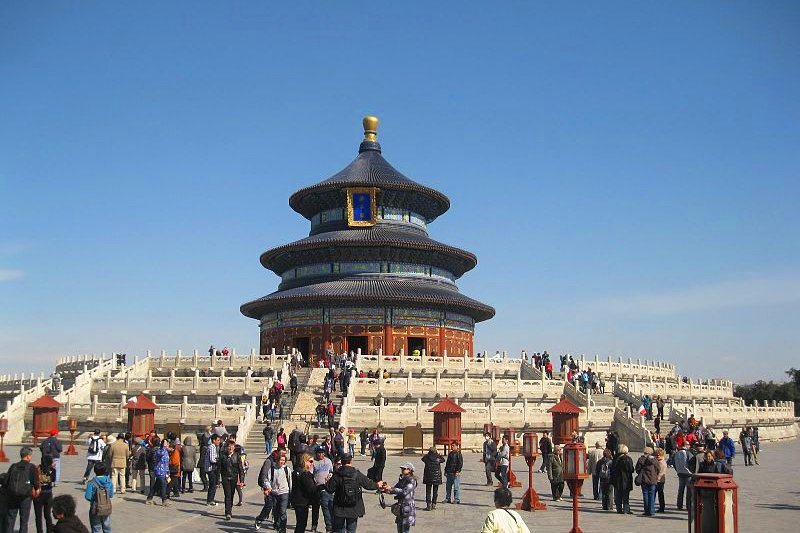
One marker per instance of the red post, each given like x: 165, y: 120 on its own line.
x: 575, y: 486
x: 73, y: 425
x: 530, y: 500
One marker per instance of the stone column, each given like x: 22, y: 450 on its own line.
x: 409, y: 386
x: 195, y: 358
x: 124, y: 400
x: 184, y: 407
x: 94, y: 405
x: 196, y: 381
x: 162, y: 359
x: 172, y: 378
x: 218, y: 408
x: 419, y: 411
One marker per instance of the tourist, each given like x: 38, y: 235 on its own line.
x: 622, y: 480
x: 404, y: 491
x: 138, y: 465
x: 728, y: 447
x: 94, y: 454
x: 52, y: 446
x: 503, y: 460
x: 205, y: 440
x: 432, y: 477
x: 99, y: 492
x: 375, y: 472
x: 647, y: 477
x: 304, y: 492
x: 591, y: 466
x: 42, y: 504
x: 746, y: 440
x: 364, y: 437
x: 555, y: 473
x: 269, y: 433
x: 174, y: 465
x: 119, y: 454
x: 682, y: 467
x: 502, y: 519
x: 348, y: 504
x: 546, y: 447
x: 293, y: 384
x: 323, y: 469
x: 603, y: 472
x: 662, y: 478
x: 64, y: 513
x: 339, y: 441
x: 280, y: 487
x: 281, y: 440
x: 709, y: 464
x: 20, y: 487
x: 352, y: 438
x: 264, y: 481
x: 321, y: 413
x: 489, y: 456
x: 756, y: 447
x: 160, y: 473
x: 188, y: 464
x: 231, y: 474
x: 452, y: 472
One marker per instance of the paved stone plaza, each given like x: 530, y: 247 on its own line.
x: 769, y: 500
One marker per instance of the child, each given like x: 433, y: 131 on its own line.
x: 99, y: 518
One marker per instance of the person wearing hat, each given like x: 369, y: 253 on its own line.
x: 403, y: 492
x: 346, y: 484
x: 119, y: 453
x: 594, y: 456
x: 52, y: 446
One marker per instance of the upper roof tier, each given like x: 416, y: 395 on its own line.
x: 370, y: 169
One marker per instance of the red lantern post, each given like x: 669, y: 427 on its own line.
x: 574, y: 474
x: 513, y: 445
x: 73, y: 426
x: 3, y: 431
x: 530, y: 450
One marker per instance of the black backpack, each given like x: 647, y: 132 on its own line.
x: 349, y: 491
x: 18, y: 481
x: 47, y: 448
x: 94, y: 445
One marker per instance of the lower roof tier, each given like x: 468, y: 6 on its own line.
x: 370, y: 291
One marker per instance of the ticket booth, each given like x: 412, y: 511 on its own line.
x: 141, y: 415
x: 565, y: 420
x: 45, y: 417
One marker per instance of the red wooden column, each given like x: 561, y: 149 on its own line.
x: 388, y: 340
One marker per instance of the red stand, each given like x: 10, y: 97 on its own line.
x: 71, y: 450
x: 575, y: 486
x: 530, y: 500
x: 3, y: 458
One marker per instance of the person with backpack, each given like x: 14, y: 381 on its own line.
x: 64, y: 512
x: 280, y: 439
x: 278, y: 485
x: 330, y: 410
x: 346, y: 485
x: 160, y: 473
x: 245, y: 467
x: 99, y: 492
x: 269, y: 434
x: 188, y: 464
x: 603, y: 472
x: 52, y: 446
x: 43, y: 503
x: 304, y: 492
x: 94, y: 454
x: 20, y: 487
x: 138, y: 465
x: 264, y: 482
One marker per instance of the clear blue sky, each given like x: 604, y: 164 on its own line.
x: 627, y: 174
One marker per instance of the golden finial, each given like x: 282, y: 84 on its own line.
x: 370, y: 128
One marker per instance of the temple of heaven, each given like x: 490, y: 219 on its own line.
x: 368, y: 276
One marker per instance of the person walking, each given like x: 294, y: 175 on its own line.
x: 591, y: 465
x: 728, y: 446
x: 622, y: 480
x: 662, y: 478
x: 231, y: 473
x: 432, y: 477
x: 42, y: 505
x: 52, y: 446
x: 161, y: 474
x: 404, y: 491
x: 304, y: 492
x: 119, y: 454
x: 269, y: 434
x: 555, y: 473
x: 94, y: 454
x: 280, y: 483
x: 746, y: 440
x: 99, y: 492
x: 264, y: 476
x: 647, y: 477
x: 323, y: 469
x: 546, y: 447
x: 603, y: 472
x: 352, y: 439
x: 188, y: 464
x: 211, y: 468
x: 503, y: 460
x: 489, y: 457
x: 346, y: 484
x: 680, y: 461
x: 375, y: 472
x: 452, y: 472
x: 364, y: 437
x: 20, y: 488
x: 502, y: 519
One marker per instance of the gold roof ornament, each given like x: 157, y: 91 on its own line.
x: 370, y: 128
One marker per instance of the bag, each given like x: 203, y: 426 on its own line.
x: 94, y: 445
x: 397, y: 509
x: 47, y: 448
x: 349, y: 492
x: 331, y: 409
x: 638, y: 479
x: 141, y: 461
x: 605, y: 472
x: 102, y: 503
x: 17, y: 482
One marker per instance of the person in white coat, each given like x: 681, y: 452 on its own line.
x: 502, y: 519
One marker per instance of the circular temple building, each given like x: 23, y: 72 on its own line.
x: 368, y: 276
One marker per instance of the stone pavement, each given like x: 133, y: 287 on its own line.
x: 769, y: 499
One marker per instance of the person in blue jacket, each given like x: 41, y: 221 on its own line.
x: 99, y: 524
x: 728, y: 446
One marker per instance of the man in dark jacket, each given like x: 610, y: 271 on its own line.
x: 231, y: 473
x: 52, y: 446
x: 622, y: 480
x: 375, y: 472
x: 64, y: 512
x: 489, y: 457
x: 432, y: 477
x: 345, y: 484
x: 20, y: 503
x: 546, y: 447
x: 452, y: 471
